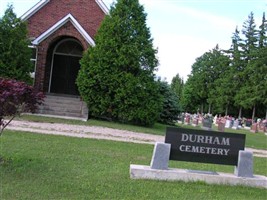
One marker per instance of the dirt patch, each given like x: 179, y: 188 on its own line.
x: 97, y: 133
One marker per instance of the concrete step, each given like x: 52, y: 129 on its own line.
x: 64, y: 106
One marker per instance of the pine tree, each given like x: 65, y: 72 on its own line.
x: 14, y: 52
x: 171, y: 108
x: 249, y: 54
x: 235, y: 76
x: 117, y: 78
x: 262, y: 32
x: 251, y: 38
x: 257, y: 73
x: 219, y: 93
x: 177, y: 85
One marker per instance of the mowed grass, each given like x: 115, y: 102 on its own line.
x: 253, y: 140
x: 37, y: 166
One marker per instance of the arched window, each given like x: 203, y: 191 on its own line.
x: 69, y: 47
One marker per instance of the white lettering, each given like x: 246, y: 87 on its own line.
x: 195, y: 149
x: 225, y: 141
x: 226, y: 151
x: 181, y: 148
x: 220, y: 151
x: 209, y: 139
x: 205, y: 139
x: 184, y: 137
x: 200, y: 139
x: 202, y: 150
x: 213, y: 151
x: 192, y: 138
x: 208, y: 150
x: 216, y: 141
x: 187, y: 148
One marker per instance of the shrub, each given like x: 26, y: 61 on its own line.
x: 15, y: 98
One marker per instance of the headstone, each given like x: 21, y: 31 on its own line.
x: 206, y: 124
x: 187, y: 119
x: 161, y: 154
x: 215, y: 120
x: 182, y: 119
x: 221, y: 126
x: 244, y: 167
x: 228, y: 123
x: 195, y: 122
x: 248, y: 123
x: 235, y: 125
x: 239, y: 123
x: 254, y: 128
x: 263, y: 126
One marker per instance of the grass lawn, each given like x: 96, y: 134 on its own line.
x: 56, y: 167
x: 253, y: 140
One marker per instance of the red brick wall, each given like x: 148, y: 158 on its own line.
x: 86, y: 12
x: 45, y: 50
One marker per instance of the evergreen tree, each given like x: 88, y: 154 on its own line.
x: 245, y: 95
x: 177, y: 85
x: 200, y: 80
x: 219, y: 93
x: 262, y: 32
x: 190, y: 101
x: 171, y: 107
x: 256, y: 70
x: 262, y: 64
x: 251, y: 38
x: 238, y: 65
x: 14, y: 52
x: 217, y: 65
x: 205, y: 71
x: 117, y: 78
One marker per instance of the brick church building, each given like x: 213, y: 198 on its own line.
x: 60, y: 31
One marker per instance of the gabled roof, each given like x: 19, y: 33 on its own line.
x: 34, y: 9
x: 59, y: 24
x: 42, y: 3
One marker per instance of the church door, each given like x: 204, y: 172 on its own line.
x: 65, y: 67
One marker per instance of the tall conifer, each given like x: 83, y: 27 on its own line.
x: 14, y: 51
x: 117, y: 78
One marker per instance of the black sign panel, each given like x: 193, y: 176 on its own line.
x: 204, y: 146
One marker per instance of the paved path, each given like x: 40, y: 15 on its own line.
x: 96, y: 132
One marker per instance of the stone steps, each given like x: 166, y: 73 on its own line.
x: 66, y: 106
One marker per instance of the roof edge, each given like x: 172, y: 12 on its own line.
x: 58, y: 25
x: 42, y: 3
x: 103, y: 6
x: 34, y: 9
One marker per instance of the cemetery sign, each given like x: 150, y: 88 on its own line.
x: 204, y: 146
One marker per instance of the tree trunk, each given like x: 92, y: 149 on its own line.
x: 226, y: 110
x: 202, y: 108
x: 209, y: 108
x: 253, y: 113
x: 266, y: 114
x: 240, y: 113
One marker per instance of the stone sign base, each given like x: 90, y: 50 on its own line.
x: 159, y: 170
x: 171, y: 174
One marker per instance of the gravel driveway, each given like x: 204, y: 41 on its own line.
x: 96, y: 132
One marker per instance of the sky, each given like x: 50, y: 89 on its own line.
x: 183, y: 29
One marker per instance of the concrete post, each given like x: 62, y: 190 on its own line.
x: 161, y: 155
x: 245, y: 164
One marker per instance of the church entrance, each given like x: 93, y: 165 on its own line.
x: 65, y: 67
